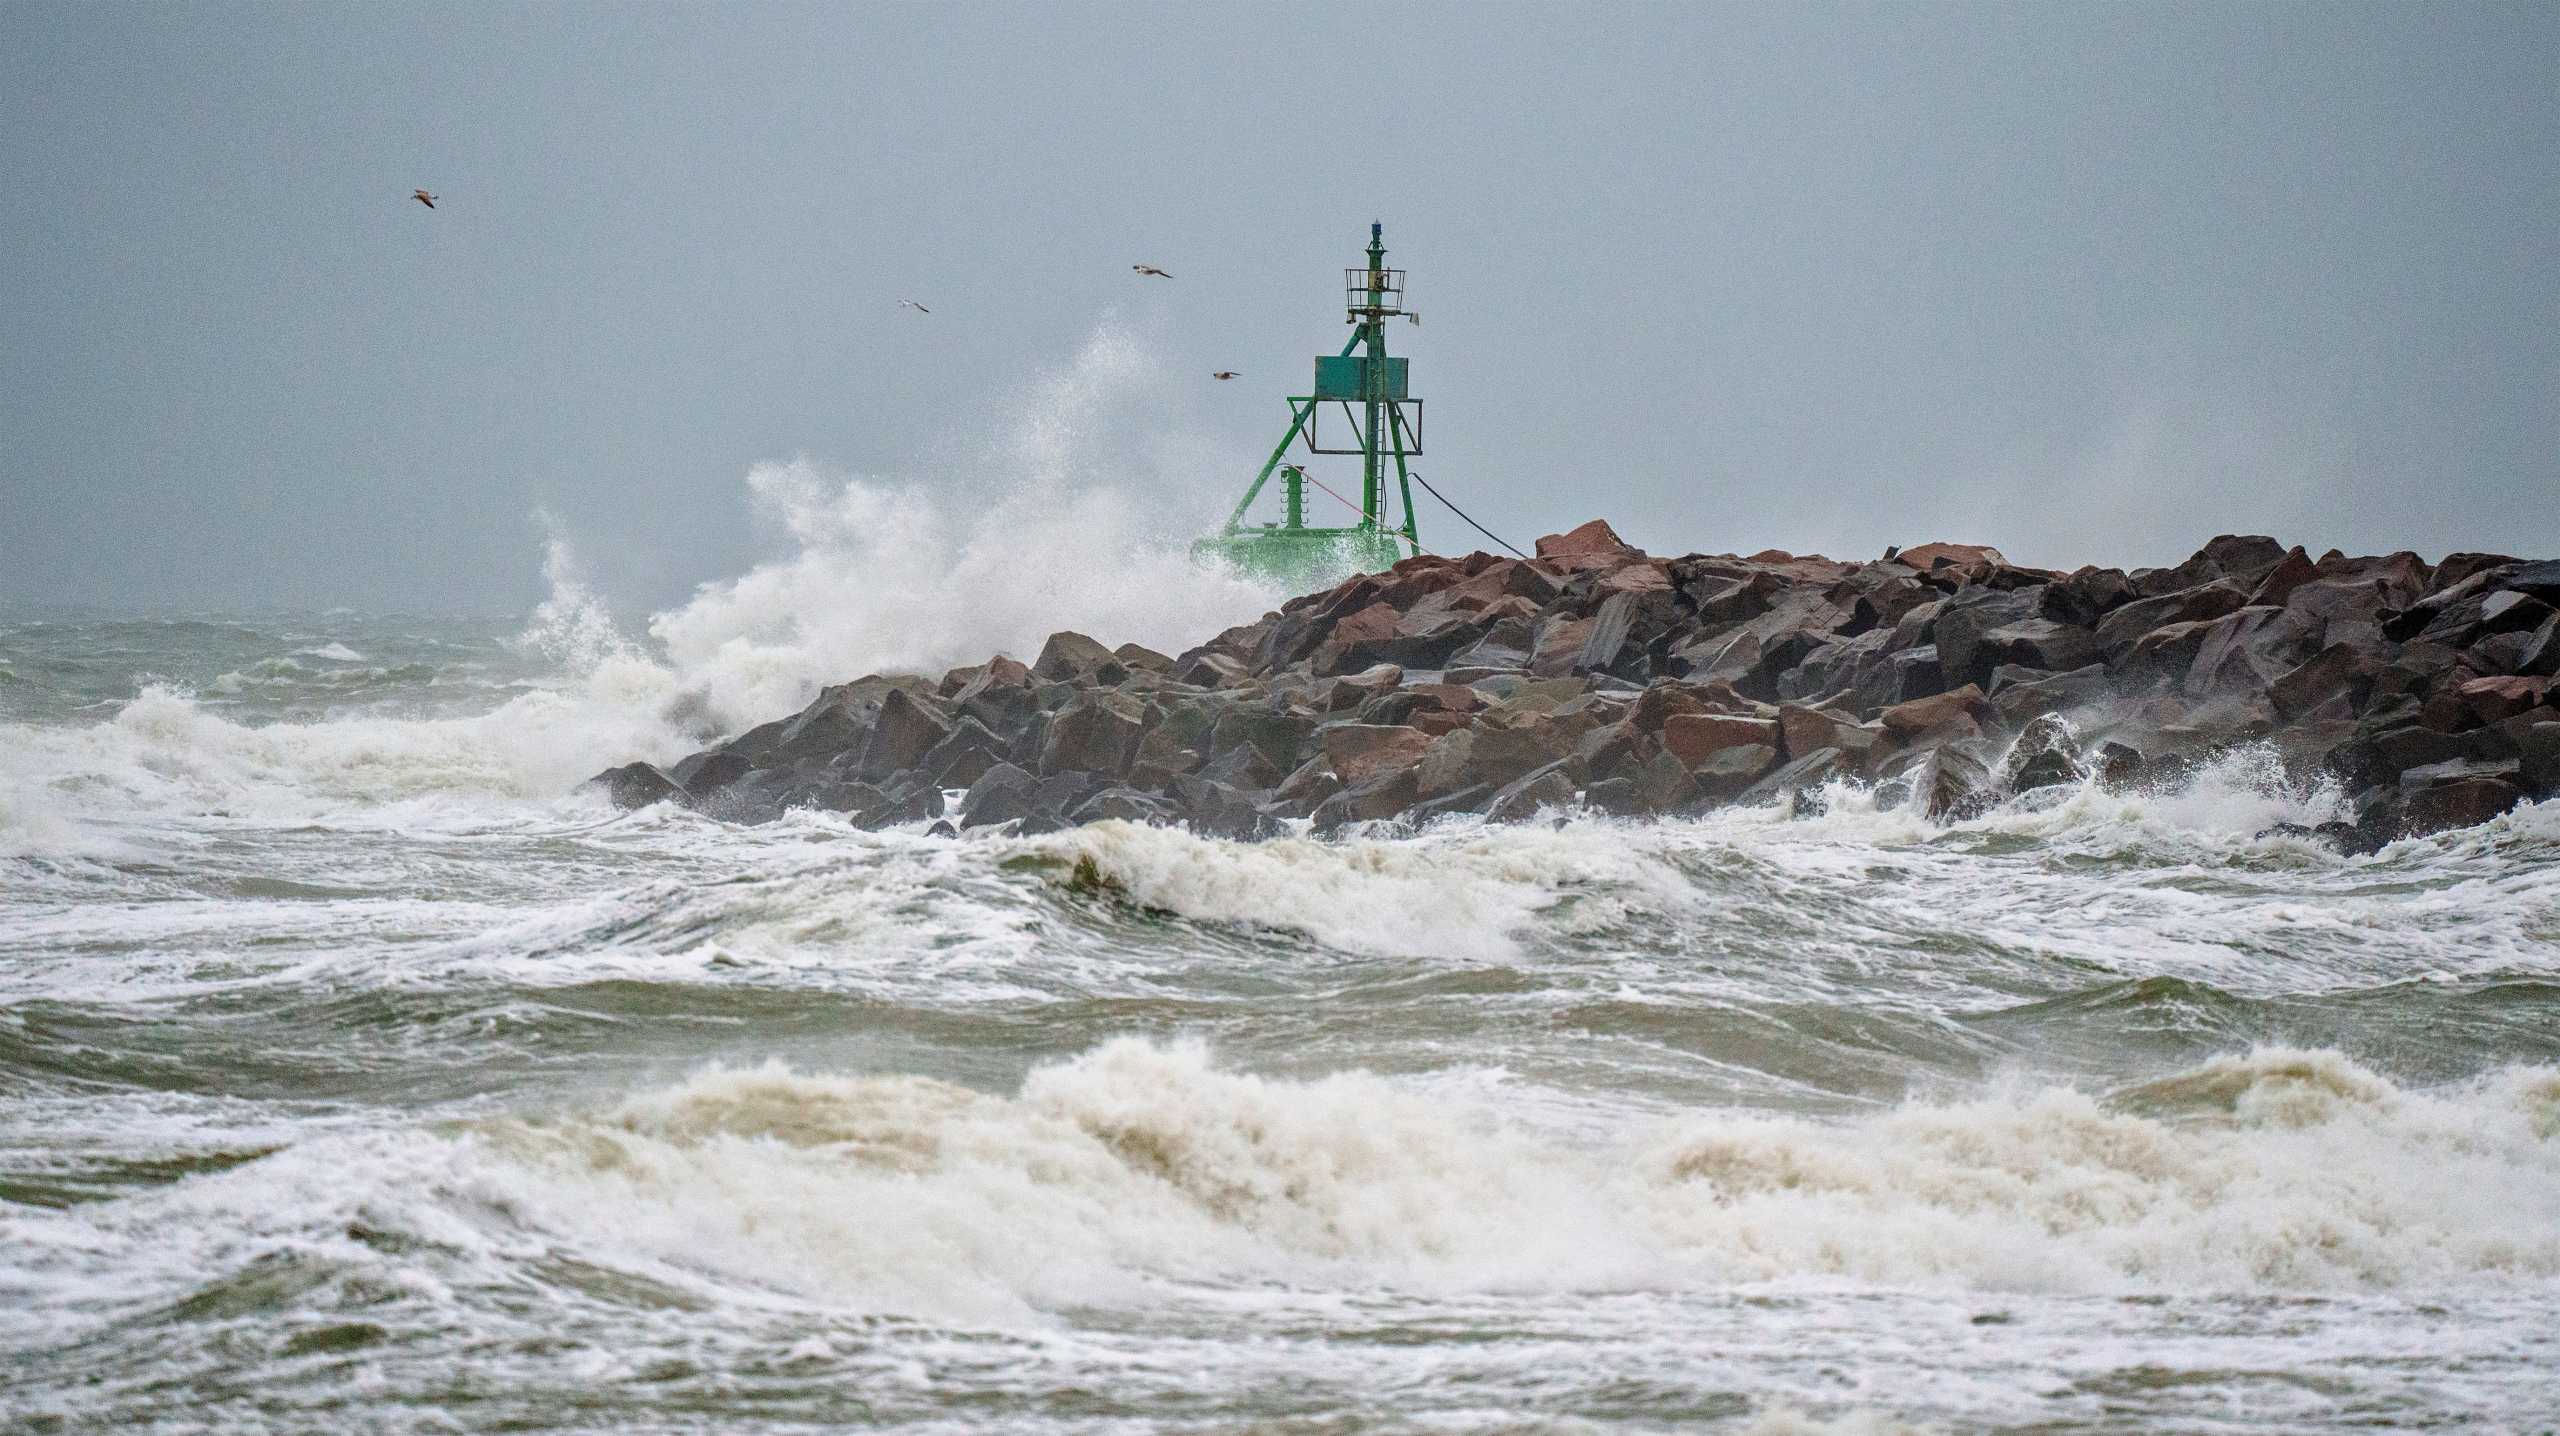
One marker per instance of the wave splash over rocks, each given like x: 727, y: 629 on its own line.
x: 313, y: 714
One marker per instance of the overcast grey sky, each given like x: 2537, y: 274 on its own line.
x: 2088, y: 282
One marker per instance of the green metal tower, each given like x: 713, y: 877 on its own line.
x: 1385, y: 422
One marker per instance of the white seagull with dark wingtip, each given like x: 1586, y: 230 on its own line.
x: 911, y: 304
x: 1151, y: 270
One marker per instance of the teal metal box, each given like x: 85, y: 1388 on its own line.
x: 1345, y: 376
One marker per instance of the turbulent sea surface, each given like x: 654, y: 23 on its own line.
x: 359, y: 1074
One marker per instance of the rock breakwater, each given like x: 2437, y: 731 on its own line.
x: 1942, y: 676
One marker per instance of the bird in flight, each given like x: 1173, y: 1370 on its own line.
x: 1224, y: 374
x: 1149, y: 269
x: 911, y: 304
x: 424, y: 198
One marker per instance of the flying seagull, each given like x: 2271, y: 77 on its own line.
x: 911, y: 304
x: 424, y: 198
x: 1150, y: 269
x: 1224, y: 374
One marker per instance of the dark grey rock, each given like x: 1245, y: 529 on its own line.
x: 637, y: 785
x: 706, y: 773
x: 903, y: 730
x: 1001, y: 795
x: 1520, y: 799
x: 1792, y: 782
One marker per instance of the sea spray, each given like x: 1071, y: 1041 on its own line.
x: 898, y: 580
x: 1069, y: 514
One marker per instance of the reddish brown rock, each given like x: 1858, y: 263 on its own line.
x: 2291, y: 572
x: 1928, y: 556
x: 1560, y: 643
x: 2495, y: 700
x: 1693, y: 738
x: 1595, y: 537
x: 1810, y: 730
x: 1946, y: 714
x: 1649, y: 577
x: 1361, y: 751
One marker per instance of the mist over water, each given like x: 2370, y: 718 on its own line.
x: 362, y: 1072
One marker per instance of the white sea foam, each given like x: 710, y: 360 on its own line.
x: 2114, y: 882
x: 1142, y: 1163
x: 1790, y: 1421
x: 334, y: 652
x: 1464, y: 892
x: 165, y: 751
x: 2279, y: 1171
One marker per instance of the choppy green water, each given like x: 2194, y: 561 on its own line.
x: 360, y: 1076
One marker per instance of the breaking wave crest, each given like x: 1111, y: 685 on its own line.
x: 1142, y: 1163
x: 2279, y: 1170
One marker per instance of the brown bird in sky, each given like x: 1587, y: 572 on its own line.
x: 424, y: 198
x: 1151, y: 270
x: 1224, y: 374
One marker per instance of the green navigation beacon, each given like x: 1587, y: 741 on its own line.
x: 1385, y: 425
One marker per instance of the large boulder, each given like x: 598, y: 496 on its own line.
x: 1216, y: 809
x: 1096, y: 734
x: 1798, y: 783
x: 1975, y: 612
x: 2340, y: 673
x: 2045, y: 755
x: 1384, y: 796
x: 2245, y: 651
x: 1694, y: 738
x: 1930, y: 557
x: 1069, y: 656
x: 1361, y: 751
x: 2495, y: 700
x: 1523, y: 797
x: 1004, y: 793
x: 1275, y: 730
x: 637, y: 785
x: 2457, y: 795
x: 2538, y: 758
x: 1727, y: 773
x: 963, y: 756
x: 2242, y: 558
x: 1962, y: 713
x: 1805, y: 730
x: 903, y: 730
x: 2119, y: 631
x: 1950, y: 785
x: 1001, y: 697
x: 706, y: 773
x: 1592, y: 540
